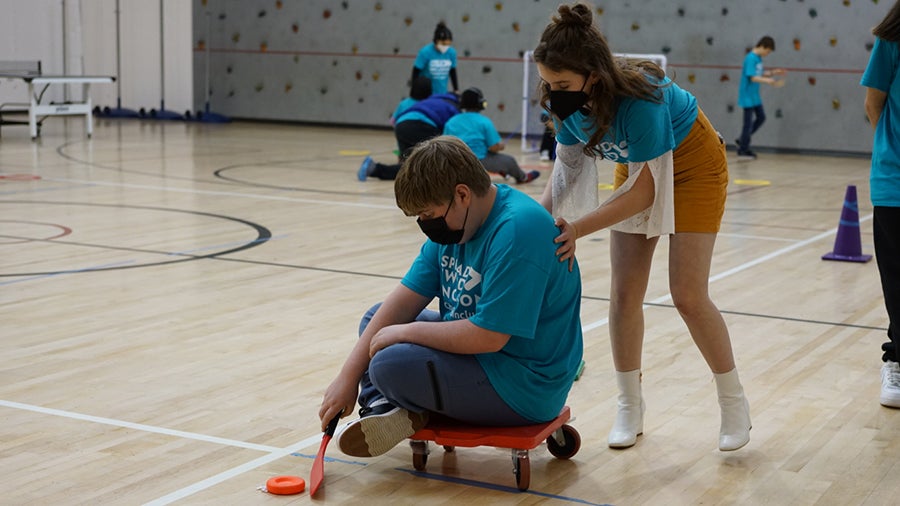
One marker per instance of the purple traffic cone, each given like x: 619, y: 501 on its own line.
x: 847, y: 244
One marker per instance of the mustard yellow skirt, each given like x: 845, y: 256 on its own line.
x: 701, y: 178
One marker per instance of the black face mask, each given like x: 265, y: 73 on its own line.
x: 438, y: 231
x: 564, y: 103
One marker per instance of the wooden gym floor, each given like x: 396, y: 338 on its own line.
x: 175, y: 297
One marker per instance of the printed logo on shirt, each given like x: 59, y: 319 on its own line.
x: 439, y: 68
x: 615, y: 152
x: 460, y: 288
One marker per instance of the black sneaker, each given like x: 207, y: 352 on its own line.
x: 746, y: 155
x: 529, y: 177
x: 378, y: 429
x: 737, y: 142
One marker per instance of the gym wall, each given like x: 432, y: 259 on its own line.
x: 349, y: 61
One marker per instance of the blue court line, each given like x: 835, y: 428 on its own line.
x: 330, y: 459
x: 491, y: 486
x: 224, y: 245
x: 60, y: 273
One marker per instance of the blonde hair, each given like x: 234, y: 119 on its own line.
x: 432, y: 171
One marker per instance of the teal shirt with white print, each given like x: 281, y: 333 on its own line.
x: 882, y: 74
x: 507, y: 279
x: 641, y: 129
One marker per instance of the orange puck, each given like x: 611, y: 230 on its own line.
x: 285, y: 485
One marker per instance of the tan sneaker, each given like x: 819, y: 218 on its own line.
x: 379, y: 429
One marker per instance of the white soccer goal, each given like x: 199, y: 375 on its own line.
x: 532, y: 126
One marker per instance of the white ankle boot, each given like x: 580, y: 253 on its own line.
x: 630, y: 416
x: 735, y: 430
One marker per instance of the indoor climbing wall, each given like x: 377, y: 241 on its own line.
x: 348, y: 62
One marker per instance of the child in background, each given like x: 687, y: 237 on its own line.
x: 421, y: 121
x: 548, y: 140
x: 748, y: 94
x: 478, y: 132
x: 437, y: 61
x: 419, y: 90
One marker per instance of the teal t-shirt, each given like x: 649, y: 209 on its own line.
x: 436, y: 66
x: 881, y: 74
x: 475, y: 129
x: 404, y: 104
x: 507, y: 279
x: 641, y: 129
x: 748, y: 90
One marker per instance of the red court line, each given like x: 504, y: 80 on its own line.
x: 496, y: 59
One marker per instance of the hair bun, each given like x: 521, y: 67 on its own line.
x: 578, y: 15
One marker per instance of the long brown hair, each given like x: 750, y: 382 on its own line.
x: 889, y: 28
x: 572, y: 42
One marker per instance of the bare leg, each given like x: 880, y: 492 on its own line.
x: 690, y: 255
x: 631, y: 256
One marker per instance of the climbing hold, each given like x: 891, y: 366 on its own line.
x: 378, y: 6
x: 730, y: 108
x: 692, y: 78
x: 261, y: 14
x: 498, y: 6
x: 681, y: 12
x: 486, y: 69
x: 235, y: 37
x: 778, y: 113
x: 263, y: 47
x: 259, y: 87
x: 326, y: 13
x: 407, y: 20
x: 501, y: 106
x: 835, y: 104
x: 515, y: 27
x: 813, y: 13
x: 465, y: 18
x: 635, y: 27
x: 295, y: 27
x: 358, y: 75
x: 796, y: 44
x: 723, y: 78
x: 355, y: 48
x: 812, y: 80
x: 832, y: 41
x: 709, y: 41
x: 288, y: 87
x: 666, y: 49
x: 375, y: 76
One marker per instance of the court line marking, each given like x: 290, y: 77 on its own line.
x: 760, y: 237
x: 223, y: 193
x: 491, y: 486
x: 739, y: 268
x: 139, y: 426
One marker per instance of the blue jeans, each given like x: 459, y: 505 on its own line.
x: 420, y: 379
x: 751, y: 125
